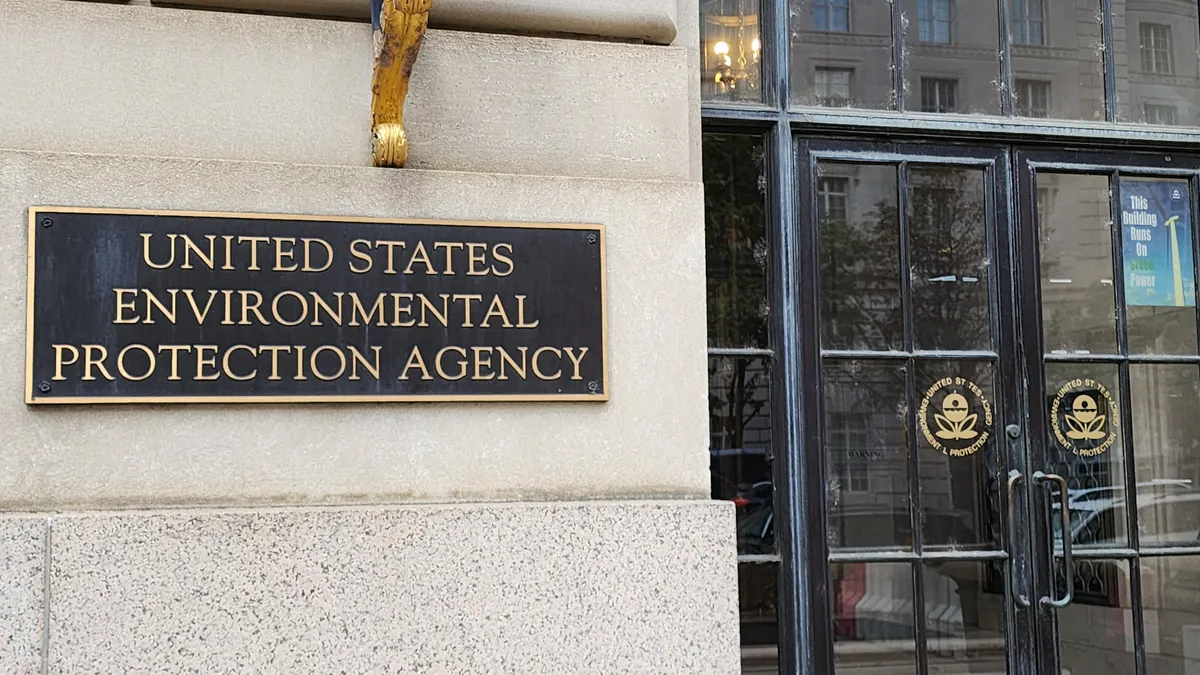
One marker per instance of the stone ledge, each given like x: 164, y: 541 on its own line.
x: 649, y: 20
x: 131, y: 81
x: 22, y: 596
x: 605, y: 588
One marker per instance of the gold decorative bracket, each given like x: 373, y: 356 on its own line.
x: 399, y: 27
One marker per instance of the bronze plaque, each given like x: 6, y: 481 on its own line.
x: 151, y: 306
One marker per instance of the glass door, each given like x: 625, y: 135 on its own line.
x: 1109, y: 327
x: 908, y: 258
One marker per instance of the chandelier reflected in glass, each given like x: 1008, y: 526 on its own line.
x: 732, y: 48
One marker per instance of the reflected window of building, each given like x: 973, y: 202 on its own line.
x: 933, y: 21
x: 1156, y: 48
x: 939, y: 95
x: 1031, y: 98
x: 1028, y: 22
x: 852, y: 434
x: 833, y: 86
x: 832, y: 15
x: 832, y: 194
x: 1166, y: 115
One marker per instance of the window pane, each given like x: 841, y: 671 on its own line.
x: 964, y: 617
x: 1157, y: 72
x: 1078, y: 305
x: 951, y: 58
x: 758, y: 589
x: 873, y: 618
x: 853, y: 37
x: 740, y: 456
x: 866, y: 455
x: 860, y: 260
x: 1166, y: 426
x: 1096, y: 630
x: 1160, y: 284
x: 1058, y: 54
x: 730, y: 50
x: 735, y: 236
x: 947, y: 227
x: 1086, y: 448
x: 1171, y: 611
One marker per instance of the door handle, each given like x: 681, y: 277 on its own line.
x: 1068, y: 566
x: 1020, y: 596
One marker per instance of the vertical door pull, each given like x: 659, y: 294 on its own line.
x: 1021, y: 597
x: 1068, y: 566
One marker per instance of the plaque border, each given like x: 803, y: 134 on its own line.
x: 31, y: 399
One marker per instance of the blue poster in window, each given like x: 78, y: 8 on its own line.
x: 1156, y: 228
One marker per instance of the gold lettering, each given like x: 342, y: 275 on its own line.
x: 202, y: 361
x: 121, y: 363
x: 415, y: 360
x: 521, y: 314
x: 356, y: 357
x: 576, y: 361
x: 317, y: 371
x: 467, y: 307
x: 391, y: 250
x: 303, y: 308
x: 59, y: 362
x: 443, y: 317
x: 228, y: 251
x: 398, y: 309
x: 146, y: 252
x: 518, y: 368
x: 496, y: 309
x: 229, y: 372
x: 450, y: 247
x: 357, y: 310
x: 481, y: 362
x: 361, y: 255
x: 502, y: 258
x: 318, y: 304
x: 462, y: 364
x: 228, y: 321
x: 200, y: 316
x: 247, y: 308
x: 274, y: 349
x: 254, y: 242
x: 121, y: 305
x: 89, y: 361
x: 189, y: 246
x: 300, y: 363
x: 280, y: 254
x: 174, y: 349
x: 308, y: 255
x: 152, y: 302
x: 538, y: 371
x: 476, y: 253
x: 421, y: 254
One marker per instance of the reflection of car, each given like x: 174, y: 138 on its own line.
x: 743, y: 475
x: 1168, y: 513
x: 879, y: 526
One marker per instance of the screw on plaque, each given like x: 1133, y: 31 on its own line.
x: 593, y: 386
x: 44, y: 387
x: 592, y: 239
x: 47, y: 222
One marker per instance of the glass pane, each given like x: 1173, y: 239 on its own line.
x: 739, y: 406
x: 964, y: 617
x: 873, y: 619
x: 1074, y: 225
x: 947, y: 226
x: 1171, y: 613
x: 1057, y: 59
x: 842, y: 53
x: 958, y: 459
x: 860, y: 257
x: 1096, y: 630
x: 1158, y: 78
x: 758, y: 590
x: 730, y: 51
x: 1085, y: 447
x: 1160, y: 279
x: 951, y: 57
x: 866, y: 455
x: 736, y: 240
x: 1166, y: 441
